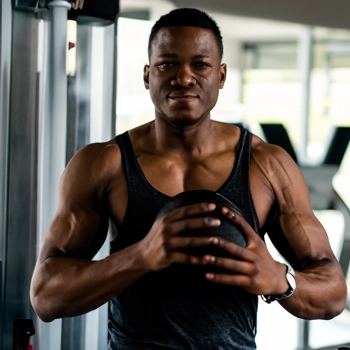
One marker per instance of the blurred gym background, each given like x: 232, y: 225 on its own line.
x: 69, y: 77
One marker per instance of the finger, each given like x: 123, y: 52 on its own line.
x: 229, y: 279
x: 191, y: 223
x: 240, y: 222
x: 235, y: 250
x: 190, y: 210
x: 232, y: 265
x: 189, y: 242
x: 188, y: 259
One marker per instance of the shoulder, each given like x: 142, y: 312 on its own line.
x: 269, y: 152
x: 94, y: 165
x: 274, y: 162
x: 281, y: 174
x: 94, y: 152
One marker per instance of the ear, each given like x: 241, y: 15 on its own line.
x: 146, y: 76
x: 222, y: 75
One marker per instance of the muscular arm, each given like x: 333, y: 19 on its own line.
x: 66, y: 281
x: 282, y: 203
x: 299, y: 236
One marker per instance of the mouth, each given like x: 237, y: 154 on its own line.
x: 183, y: 97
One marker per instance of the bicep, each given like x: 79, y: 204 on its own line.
x: 299, y: 238
x: 306, y: 237
x: 292, y: 225
x: 80, y: 225
x: 75, y: 234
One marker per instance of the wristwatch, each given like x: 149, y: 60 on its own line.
x: 290, y: 274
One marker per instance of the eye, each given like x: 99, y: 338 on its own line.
x: 200, y: 64
x: 166, y: 65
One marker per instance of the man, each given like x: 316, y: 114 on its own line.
x: 129, y: 179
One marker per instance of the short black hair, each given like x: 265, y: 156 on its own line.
x: 187, y: 17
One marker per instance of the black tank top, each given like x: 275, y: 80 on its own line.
x: 171, y: 309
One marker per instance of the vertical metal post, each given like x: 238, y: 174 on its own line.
x: 115, y: 85
x: 54, y: 140
x: 5, y: 69
x: 305, y: 64
x: 58, y: 96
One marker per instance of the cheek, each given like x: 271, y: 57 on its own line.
x: 156, y: 95
x: 155, y: 84
x: 211, y: 90
x: 153, y: 87
x: 211, y: 96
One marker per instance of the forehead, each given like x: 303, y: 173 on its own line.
x: 179, y: 39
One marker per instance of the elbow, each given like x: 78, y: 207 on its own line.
x: 323, y: 306
x: 44, y: 317
x: 41, y: 306
x: 40, y: 310
x: 336, y: 303
x: 340, y: 302
x: 335, y: 308
x: 46, y: 314
x: 320, y: 312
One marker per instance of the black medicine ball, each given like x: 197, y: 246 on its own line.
x: 227, y: 229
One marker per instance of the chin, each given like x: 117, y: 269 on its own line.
x: 185, y: 120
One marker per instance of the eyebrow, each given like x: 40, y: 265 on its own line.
x: 174, y: 55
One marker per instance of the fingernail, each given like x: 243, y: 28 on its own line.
x: 215, y: 240
x: 212, y: 222
x: 210, y: 275
x: 209, y: 259
x: 208, y: 206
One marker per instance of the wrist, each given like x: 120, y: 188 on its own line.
x: 288, y: 281
x: 282, y: 283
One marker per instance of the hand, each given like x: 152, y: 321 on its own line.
x: 161, y: 247
x: 250, y: 267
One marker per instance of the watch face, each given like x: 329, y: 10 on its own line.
x: 291, y: 280
x: 292, y: 285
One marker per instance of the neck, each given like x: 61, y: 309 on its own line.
x: 186, y: 138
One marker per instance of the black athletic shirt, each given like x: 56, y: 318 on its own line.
x: 177, y: 308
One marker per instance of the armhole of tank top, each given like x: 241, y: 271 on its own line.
x: 236, y: 164
x: 123, y: 142
x: 132, y: 167
x: 120, y: 141
x: 245, y: 145
x: 257, y: 227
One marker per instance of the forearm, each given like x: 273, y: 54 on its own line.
x: 66, y: 287
x: 320, y: 294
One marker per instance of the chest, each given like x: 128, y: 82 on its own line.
x: 168, y: 176
x: 172, y: 176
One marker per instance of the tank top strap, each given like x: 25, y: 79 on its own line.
x: 128, y: 158
x: 134, y: 174
x: 237, y: 186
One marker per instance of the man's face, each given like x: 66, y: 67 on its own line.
x: 184, y: 75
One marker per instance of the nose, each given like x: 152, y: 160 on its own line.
x: 184, y: 77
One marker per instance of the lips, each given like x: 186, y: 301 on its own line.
x: 182, y: 97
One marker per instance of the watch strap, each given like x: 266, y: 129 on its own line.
x: 290, y: 274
